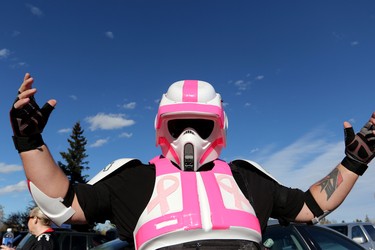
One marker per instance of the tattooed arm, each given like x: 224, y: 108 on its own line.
x: 329, y: 192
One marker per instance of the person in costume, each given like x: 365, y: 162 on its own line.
x: 187, y: 197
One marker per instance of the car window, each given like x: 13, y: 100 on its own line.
x: 284, y: 238
x: 327, y: 240
x: 341, y: 229
x: 19, y: 237
x: 24, y: 241
x: 115, y: 244
x: 370, y: 230
x: 358, y: 233
x: 69, y: 240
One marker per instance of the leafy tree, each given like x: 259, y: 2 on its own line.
x: 1, y: 218
x: 75, y: 157
x: 17, y: 221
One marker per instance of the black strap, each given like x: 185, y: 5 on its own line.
x: 312, y: 204
x: 353, y: 165
x: 26, y: 143
x: 68, y: 199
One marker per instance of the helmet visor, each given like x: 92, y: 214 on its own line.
x: 203, y: 127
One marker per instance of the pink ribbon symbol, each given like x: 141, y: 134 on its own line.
x: 163, y: 193
x: 234, y: 190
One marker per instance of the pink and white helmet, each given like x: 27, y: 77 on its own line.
x: 191, y: 124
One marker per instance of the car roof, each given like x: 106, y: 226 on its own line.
x: 349, y: 224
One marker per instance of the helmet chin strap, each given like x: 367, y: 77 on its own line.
x: 189, y: 157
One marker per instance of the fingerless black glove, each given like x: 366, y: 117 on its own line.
x: 28, y: 123
x: 359, y: 148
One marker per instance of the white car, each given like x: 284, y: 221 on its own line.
x: 361, y: 232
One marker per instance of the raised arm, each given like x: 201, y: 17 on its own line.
x: 327, y: 194
x: 28, y: 122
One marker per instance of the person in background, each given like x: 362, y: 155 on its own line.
x: 43, y: 237
x: 187, y: 196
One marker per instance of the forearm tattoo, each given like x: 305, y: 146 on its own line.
x: 331, y: 182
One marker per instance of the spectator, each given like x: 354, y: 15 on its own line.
x: 43, y: 235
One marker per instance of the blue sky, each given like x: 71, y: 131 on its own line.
x: 290, y: 73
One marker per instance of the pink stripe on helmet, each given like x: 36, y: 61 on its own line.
x: 217, y: 142
x: 190, y: 91
x: 164, y: 141
x: 192, y: 108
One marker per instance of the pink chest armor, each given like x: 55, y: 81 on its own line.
x: 191, y: 206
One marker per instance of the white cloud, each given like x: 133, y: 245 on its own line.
x: 109, y: 34
x: 254, y: 150
x: 8, y: 168
x: 108, y: 121
x: 309, y: 155
x: 99, y: 143
x: 354, y: 43
x: 73, y: 97
x: 4, y: 53
x: 18, y: 65
x: 126, y: 135
x: 130, y: 105
x: 241, y: 84
x: 15, y: 33
x: 260, y: 77
x: 35, y: 10
x: 64, y: 130
x: 21, y: 64
x: 309, y: 159
x: 19, y: 187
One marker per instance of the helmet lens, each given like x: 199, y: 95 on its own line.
x: 203, y: 127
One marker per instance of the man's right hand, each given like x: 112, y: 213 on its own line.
x: 27, y: 119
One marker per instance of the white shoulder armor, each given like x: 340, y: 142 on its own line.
x: 110, y: 168
x: 260, y: 168
x: 53, y: 208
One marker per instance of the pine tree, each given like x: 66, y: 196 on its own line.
x: 75, y: 157
x: 367, y: 219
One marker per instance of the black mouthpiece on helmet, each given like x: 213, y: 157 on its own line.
x: 189, y: 157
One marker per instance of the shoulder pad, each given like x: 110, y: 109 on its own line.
x: 253, y: 164
x: 53, y: 208
x: 110, y: 168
